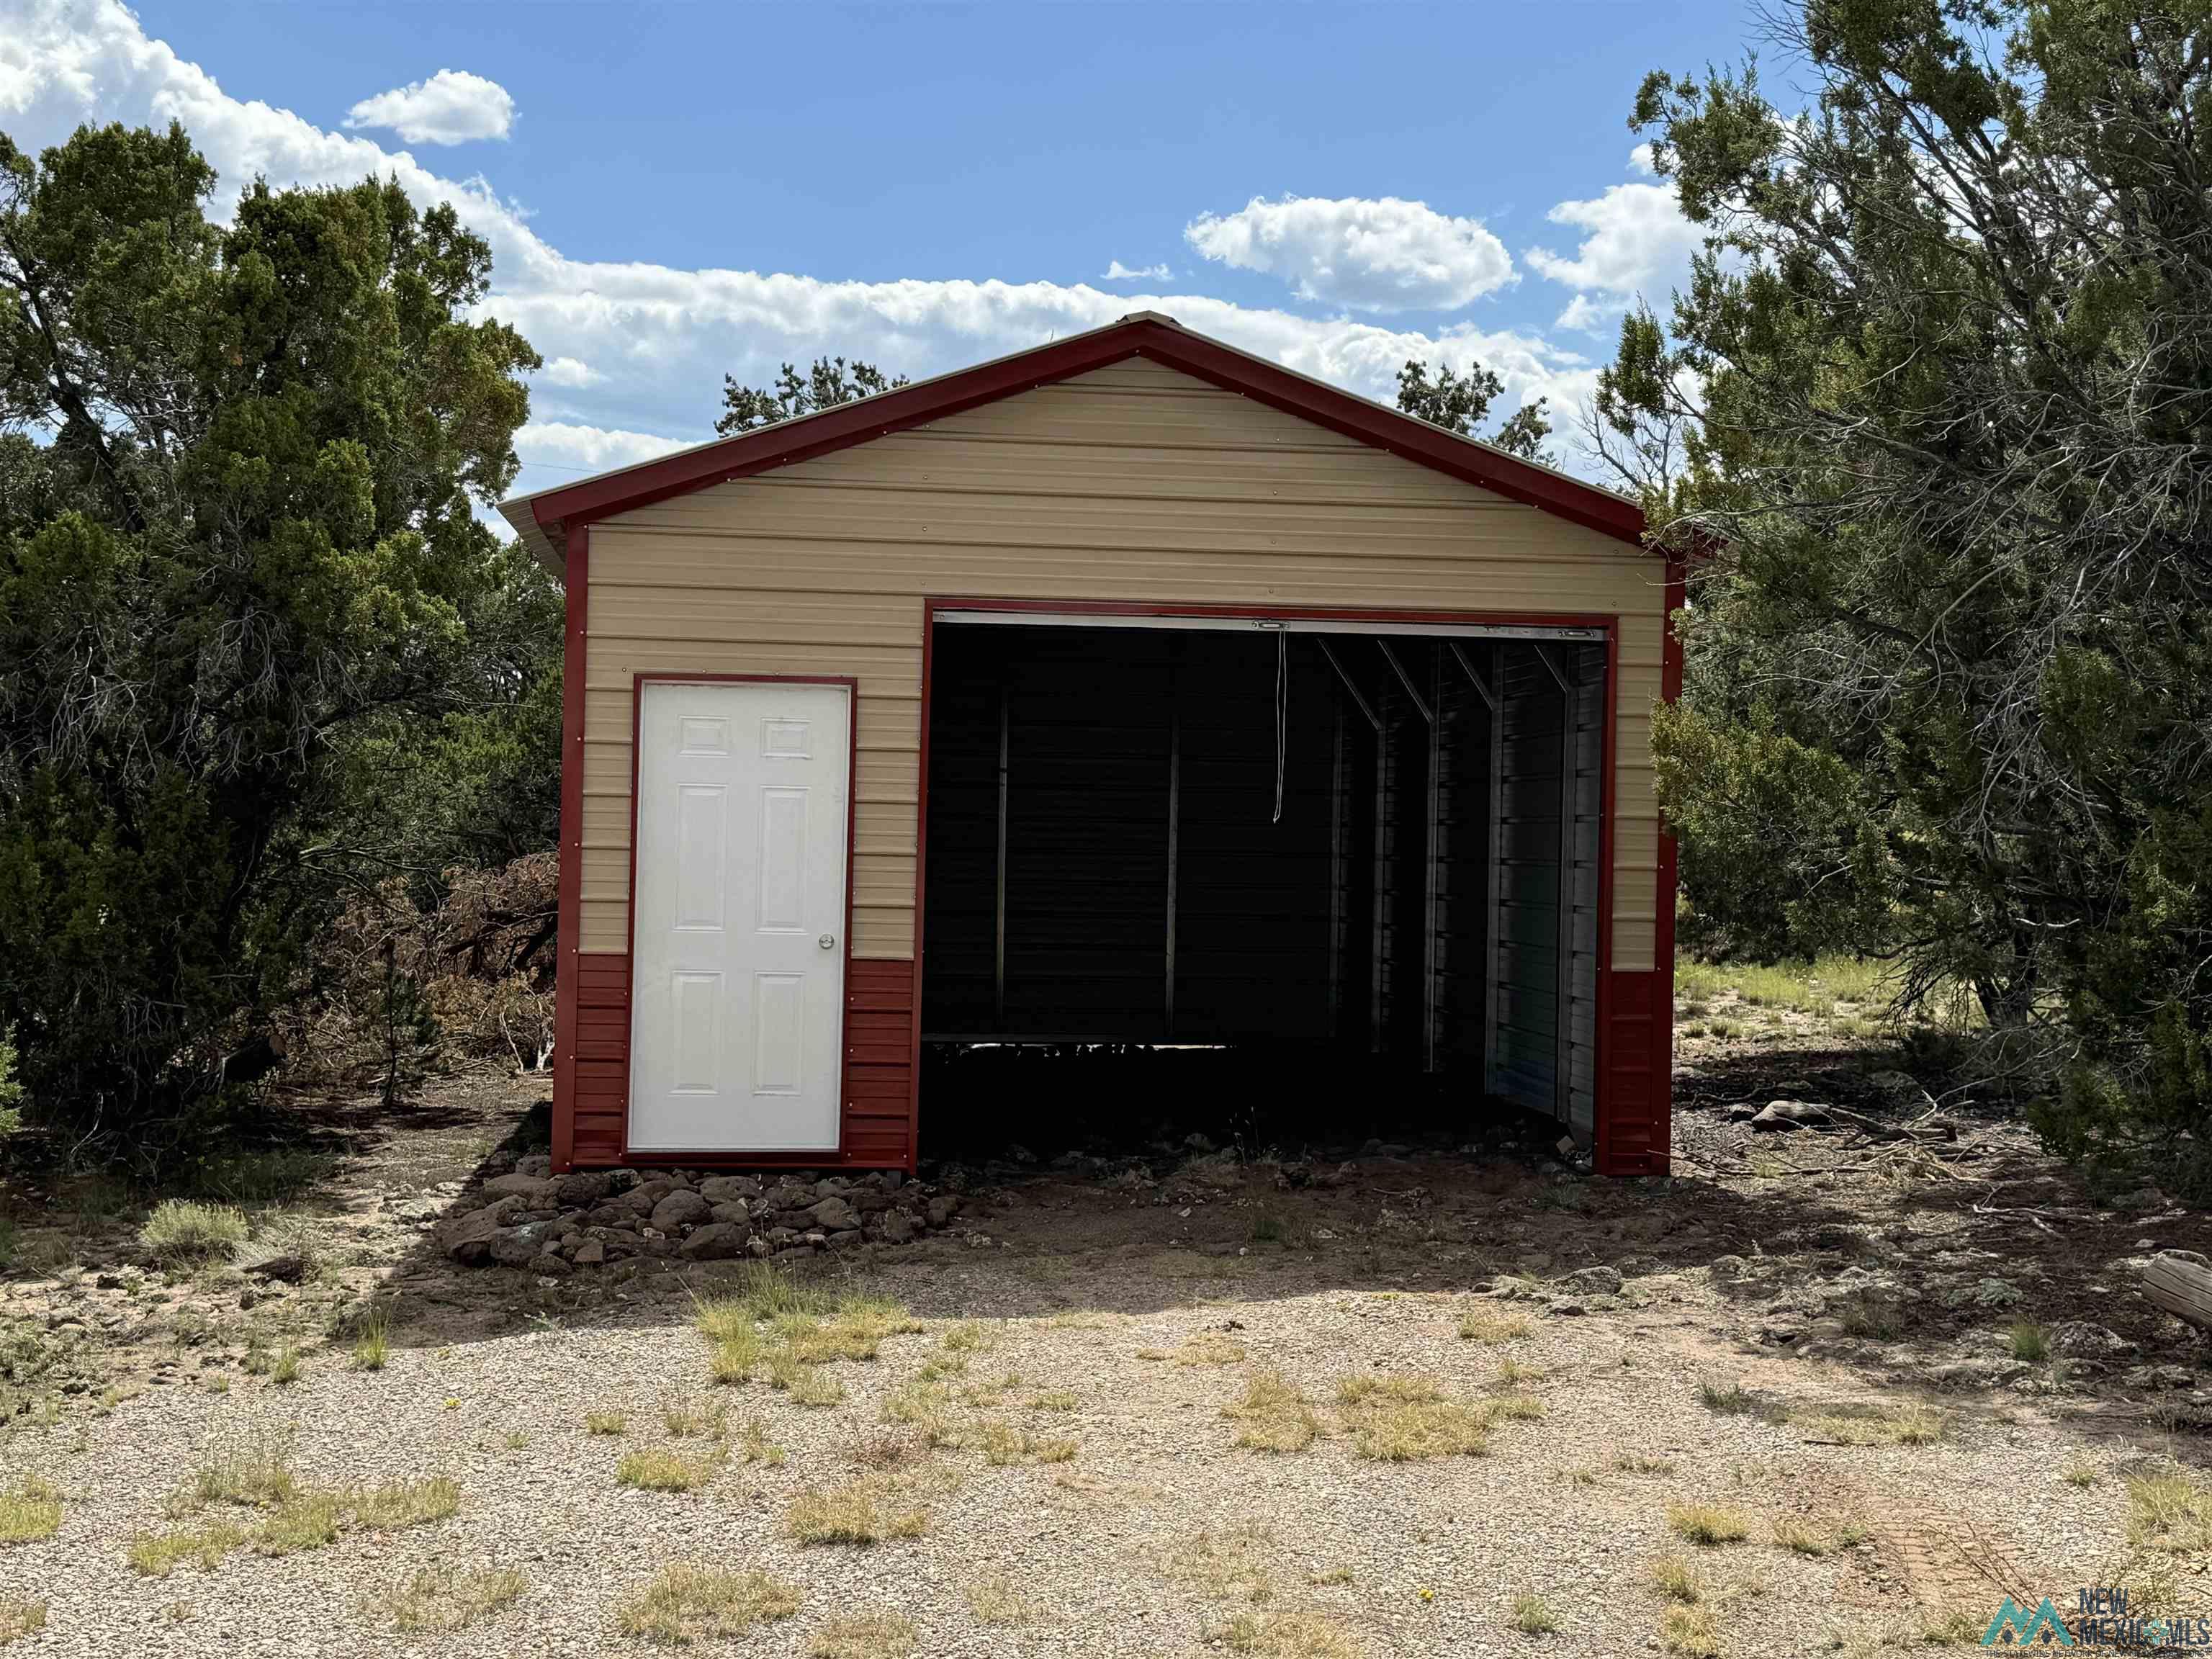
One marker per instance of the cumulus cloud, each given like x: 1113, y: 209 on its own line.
x: 569, y: 372
x: 451, y: 107
x: 565, y: 446
x: 1637, y: 244
x: 636, y: 350
x: 1118, y: 272
x: 1378, y: 255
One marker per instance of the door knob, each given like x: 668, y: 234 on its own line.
x: 828, y: 941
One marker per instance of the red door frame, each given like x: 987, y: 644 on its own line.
x: 1609, y: 624
x: 812, y: 1156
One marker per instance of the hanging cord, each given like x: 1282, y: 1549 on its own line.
x: 1282, y: 714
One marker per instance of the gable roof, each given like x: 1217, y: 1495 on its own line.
x: 541, y: 520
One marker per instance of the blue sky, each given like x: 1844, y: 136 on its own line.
x: 673, y: 191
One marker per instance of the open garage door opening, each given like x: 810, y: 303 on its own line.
x: 1283, y: 874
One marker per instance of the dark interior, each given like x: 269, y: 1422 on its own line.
x: 1224, y: 861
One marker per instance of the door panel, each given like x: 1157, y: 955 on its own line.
x: 739, y: 959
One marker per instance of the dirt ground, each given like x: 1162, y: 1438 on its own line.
x: 1504, y: 1403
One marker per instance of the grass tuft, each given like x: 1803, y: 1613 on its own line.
x: 306, y: 1521
x: 685, y: 1415
x: 1691, y: 1631
x: 1673, y: 1578
x: 1532, y: 1617
x: 1483, y: 1326
x: 20, y: 1616
x: 879, y: 1635
x: 29, y: 1511
x: 399, y: 1504
x: 1293, y: 1633
x: 184, y: 1232
x: 1272, y: 1415
x: 2030, y: 1341
x: 443, y: 1598
x: 251, y: 1469
x: 805, y: 1384
x: 371, y: 1345
x: 612, y: 1423
x: 156, y: 1554
x: 1736, y: 1401
x: 1873, y: 1425
x: 1794, y: 1535
x: 682, y: 1603
x: 1707, y: 1523
x: 996, y: 1602
x: 1398, y: 1417
x: 659, y: 1468
x: 856, y: 1513
x: 2170, y: 1511
x: 1004, y: 1444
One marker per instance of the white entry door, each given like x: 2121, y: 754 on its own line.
x: 737, y: 982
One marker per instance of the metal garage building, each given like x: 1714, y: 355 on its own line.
x: 1130, y: 690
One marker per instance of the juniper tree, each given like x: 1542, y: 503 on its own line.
x: 1933, y: 422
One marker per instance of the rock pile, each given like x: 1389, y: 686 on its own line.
x: 554, y: 1224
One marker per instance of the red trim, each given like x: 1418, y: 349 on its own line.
x: 790, y: 441
x: 1314, y: 613
x: 739, y: 1154
x: 1603, y: 1104
x: 920, y: 866
x: 1670, y: 691
x: 577, y: 605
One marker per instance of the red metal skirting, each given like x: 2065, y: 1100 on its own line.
x: 590, y: 1118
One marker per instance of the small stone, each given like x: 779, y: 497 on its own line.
x: 537, y: 1164
x: 581, y: 1190
x: 759, y: 1245
x: 549, y: 1265
x: 681, y: 1208
x: 2078, y: 1339
x: 515, y: 1247
x: 736, y: 1212
x: 729, y: 1189
x: 290, y: 1269
x: 537, y: 1188
x: 834, y: 1214
x: 891, y: 1179
x: 1592, y: 1281
x: 590, y: 1252
x: 1730, y: 1266
x: 942, y: 1209
x: 467, y: 1238
x: 896, y: 1227
x: 718, y: 1241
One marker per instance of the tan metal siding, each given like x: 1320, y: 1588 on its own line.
x: 1134, y: 482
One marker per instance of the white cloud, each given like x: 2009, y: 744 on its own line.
x: 564, y: 447
x: 652, y: 341
x: 1386, y: 255
x: 1637, y: 245
x: 569, y: 372
x: 1118, y: 272
x: 451, y: 107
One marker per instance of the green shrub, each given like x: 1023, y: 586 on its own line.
x: 182, y: 1231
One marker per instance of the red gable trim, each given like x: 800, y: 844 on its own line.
x: 1163, y: 342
